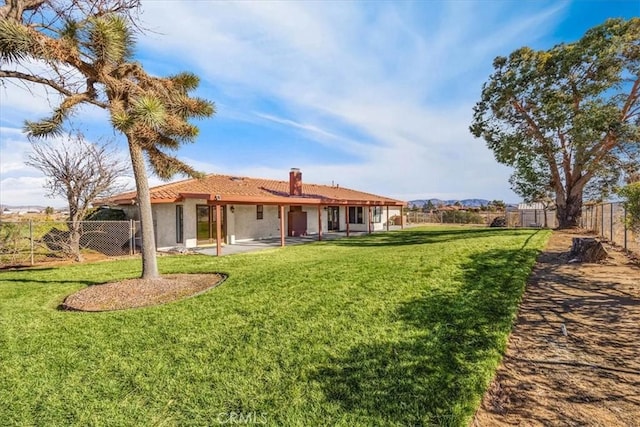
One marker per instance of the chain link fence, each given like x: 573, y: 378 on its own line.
x: 608, y: 220
x: 452, y: 217
x: 33, y: 242
x: 525, y: 218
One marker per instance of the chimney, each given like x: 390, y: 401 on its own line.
x: 295, y: 182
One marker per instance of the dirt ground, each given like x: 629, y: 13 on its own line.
x: 573, y: 358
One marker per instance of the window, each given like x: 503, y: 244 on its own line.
x: 356, y: 215
x: 377, y: 214
x: 259, y: 211
x: 179, y: 224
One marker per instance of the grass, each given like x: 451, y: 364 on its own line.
x: 399, y: 328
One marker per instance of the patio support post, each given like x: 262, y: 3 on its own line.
x: 370, y: 221
x: 387, y: 218
x: 218, y: 231
x: 402, y: 218
x: 346, y: 215
x: 281, y: 208
x: 319, y: 222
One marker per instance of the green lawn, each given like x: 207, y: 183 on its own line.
x: 399, y: 328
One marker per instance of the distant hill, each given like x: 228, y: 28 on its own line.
x: 469, y: 203
x: 22, y: 208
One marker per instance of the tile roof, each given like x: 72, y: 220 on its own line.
x: 234, y: 189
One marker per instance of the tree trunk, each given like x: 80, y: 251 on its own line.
x: 569, y: 210
x: 149, y: 261
x: 74, y: 243
x: 588, y: 249
x: 74, y: 228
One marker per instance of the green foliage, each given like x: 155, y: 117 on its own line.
x: 566, y: 116
x: 106, y: 214
x: 631, y: 193
x: 11, y: 242
x: 16, y: 42
x: 108, y: 38
x: 461, y: 217
x: 394, y: 329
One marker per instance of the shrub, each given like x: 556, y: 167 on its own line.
x: 499, y: 221
x: 461, y: 217
x: 631, y: 193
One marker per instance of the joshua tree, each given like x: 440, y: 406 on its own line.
x: 87, y: 49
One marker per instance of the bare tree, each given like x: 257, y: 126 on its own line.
x: 79, y: 171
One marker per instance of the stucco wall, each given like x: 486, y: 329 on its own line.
x: 382, y: 225
x: 246, y: 226
x: 243, y: 224
x: 312, y: 219
x: 190, y: 225
x: 164, y: 218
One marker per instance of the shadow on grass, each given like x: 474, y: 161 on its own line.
x: 453, y: 340
x: 419, y: 237
x: 30, y: 280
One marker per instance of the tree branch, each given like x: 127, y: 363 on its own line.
x: 631, y: 100
x: 13, y: 9
x: 88, y: 95
x: 553, y: 165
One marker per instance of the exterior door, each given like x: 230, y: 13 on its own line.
x: 333, y: 218
x: 206, y: 224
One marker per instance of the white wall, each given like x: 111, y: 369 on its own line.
x: 246, y: 226
x: 164, y: 218
x: 190, y: 221
x: 312, y: 219
x: 393, y: 211
x: 243, y: 224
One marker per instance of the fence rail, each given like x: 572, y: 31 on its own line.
x: 608, y: 220
x: 32, y: 242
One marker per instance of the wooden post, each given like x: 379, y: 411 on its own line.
x: 319, y: 222
x: 346, y: 215
x: 387, y: 218
x: 218, y: 231
x: 282, y: 239
x: 401, y: 219
x: 31, y: 241
x: 369, y: 221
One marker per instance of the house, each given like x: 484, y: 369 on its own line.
x: 230, y: 209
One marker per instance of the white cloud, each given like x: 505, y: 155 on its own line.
x: 391, y: 84
x: 26, y: 190
x: 336, y: 67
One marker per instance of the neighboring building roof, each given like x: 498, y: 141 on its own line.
x: 233, y: 189
x: 530, y: 206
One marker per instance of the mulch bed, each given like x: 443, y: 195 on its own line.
x: 133, y: 293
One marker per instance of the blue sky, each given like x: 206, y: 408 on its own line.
x: 372, y: 95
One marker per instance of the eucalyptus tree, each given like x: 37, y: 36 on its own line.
x: 83, y: 49
x: 562, y: 117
